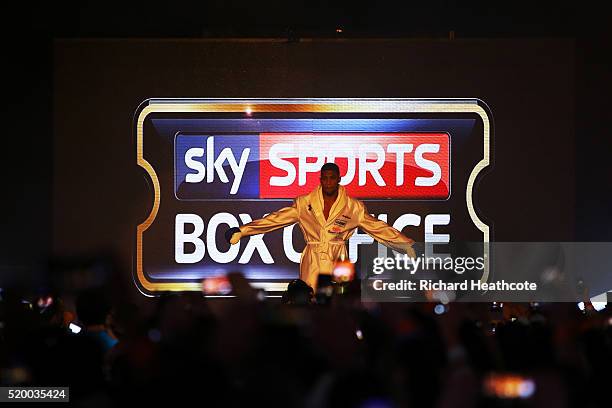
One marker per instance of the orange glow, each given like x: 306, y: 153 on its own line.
x: 508, y: 386
x: 217, y: 285
x: 344, y: 271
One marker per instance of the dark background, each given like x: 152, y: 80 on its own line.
x: 100, y: 195
x: 31, y: 31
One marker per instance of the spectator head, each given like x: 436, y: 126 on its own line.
x: 298, y: 293
x: 92, y: 307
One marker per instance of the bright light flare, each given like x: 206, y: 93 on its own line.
x: 508, y: 386
x: 344, y: 271
x: 217, y: 285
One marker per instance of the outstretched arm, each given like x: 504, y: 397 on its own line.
x: 273, y: 221
x: 386, y: 234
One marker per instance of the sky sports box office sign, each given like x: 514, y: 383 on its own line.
x: 213, y: 164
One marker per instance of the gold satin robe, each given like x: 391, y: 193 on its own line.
x: 326, y: 239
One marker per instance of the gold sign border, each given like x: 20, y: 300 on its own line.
x: 248, y: 106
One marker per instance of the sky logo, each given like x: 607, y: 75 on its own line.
x: 216, y: 167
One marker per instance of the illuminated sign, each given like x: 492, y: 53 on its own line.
x: 220, y: 163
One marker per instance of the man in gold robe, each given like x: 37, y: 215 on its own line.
x: 327, y: 217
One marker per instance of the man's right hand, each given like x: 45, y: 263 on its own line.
x: 233, y: 235
x: 410, y: 252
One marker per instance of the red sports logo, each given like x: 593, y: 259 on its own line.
x: 373, y: 165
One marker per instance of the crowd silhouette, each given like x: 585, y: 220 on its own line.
x: 296, y: 351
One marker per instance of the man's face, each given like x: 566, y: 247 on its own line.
x: 330, y: 181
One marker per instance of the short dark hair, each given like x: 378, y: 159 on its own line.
x: 298, y: 293
x: 331, y: 167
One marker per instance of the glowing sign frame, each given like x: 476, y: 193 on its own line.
x: 309, y: 105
